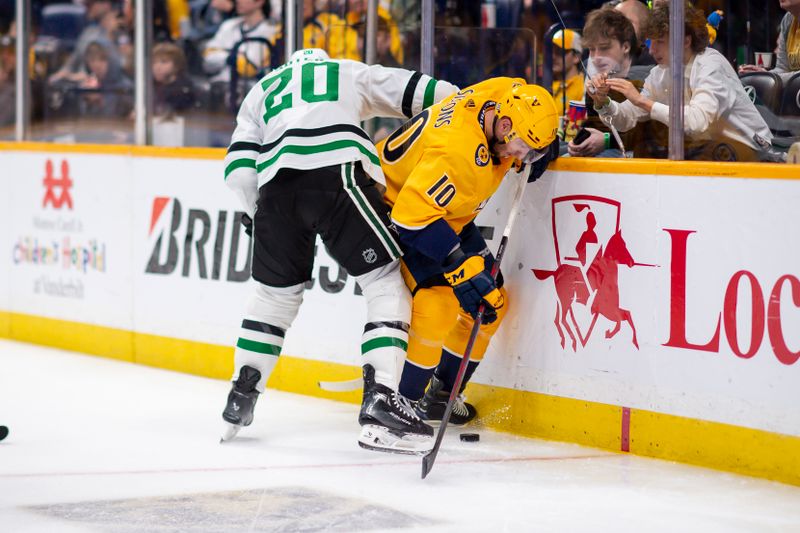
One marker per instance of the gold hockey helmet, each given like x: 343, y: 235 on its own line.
x: 533, y: 115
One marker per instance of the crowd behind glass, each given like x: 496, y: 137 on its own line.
x: 608, y: 69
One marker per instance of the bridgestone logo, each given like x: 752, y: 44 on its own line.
x: 206, y: 243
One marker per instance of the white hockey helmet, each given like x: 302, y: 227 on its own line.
x: 310, y: 54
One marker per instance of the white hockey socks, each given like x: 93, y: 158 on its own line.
x: 270, y: 313
x: 385, y: 339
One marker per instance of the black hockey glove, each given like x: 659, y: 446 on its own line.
x: 247, y: 222
x: 540, y: 165
x: 473, y: 285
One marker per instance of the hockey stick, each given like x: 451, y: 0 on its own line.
x: 430, y: 457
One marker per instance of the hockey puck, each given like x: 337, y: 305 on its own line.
x: 470, y: 437
x: 3, y: 432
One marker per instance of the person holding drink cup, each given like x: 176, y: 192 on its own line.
x: 720, y: 121
x: 613, y: 47
x: 788, y: 51
x: 567, y: 76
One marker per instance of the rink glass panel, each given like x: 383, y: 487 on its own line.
x: 93, y: 108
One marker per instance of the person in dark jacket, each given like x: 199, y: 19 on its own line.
x: 105, y: 91
x: 174, y: 90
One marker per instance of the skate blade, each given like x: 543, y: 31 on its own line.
x: 380, y: 439
x: 230, y: 431
x: 436, y: 422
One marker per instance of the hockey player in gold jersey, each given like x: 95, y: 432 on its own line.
x: 441, y: 167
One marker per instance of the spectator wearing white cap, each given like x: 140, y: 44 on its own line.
x: 567, y: 75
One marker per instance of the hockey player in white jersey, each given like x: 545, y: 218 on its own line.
x: 302, y: 166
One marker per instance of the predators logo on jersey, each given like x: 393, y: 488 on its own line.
x: 482, y: 155
x: 438, y: 165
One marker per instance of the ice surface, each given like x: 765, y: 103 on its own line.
x: 100, y: 445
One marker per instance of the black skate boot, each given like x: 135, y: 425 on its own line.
x: 241, y: 402
x: 388, y: 421
x: 432, y: 405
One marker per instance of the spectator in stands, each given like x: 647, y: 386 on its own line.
x: 788, y: 61
x: 177, y: 21
x: 357, y: 14
x: 123, y: 38
x: 568, y: 81
x: 383, y: 43
x: 313, y: 32
x: 8, y: 93
x: 720, y: 121
x: 251, y: 22
x: 36, y: 62
x: 101, y: 23
x: 211, y: 15
x: 712, y: 22
x: 638, y: 14
x: 567, y: 75
x: 107, y: 92
x: 174, y: 91
x: 331, y: 30
x: 340, y: 32
x: 37, y: 65
x: 610, y: 38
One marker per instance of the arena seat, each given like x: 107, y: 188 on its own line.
x: 790, y: 102
x: 764, y: 89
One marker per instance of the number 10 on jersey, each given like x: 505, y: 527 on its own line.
x: 442, y: 191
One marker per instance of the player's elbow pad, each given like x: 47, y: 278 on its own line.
x: 436, y: 240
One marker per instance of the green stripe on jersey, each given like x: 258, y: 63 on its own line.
x: 258, y: 347
x: 318, y: 148
x: 383, y: 342
x: 430, y: 91
x: 239, y: 163
x: 358, y: 195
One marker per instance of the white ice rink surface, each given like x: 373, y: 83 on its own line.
x: 100, y: 445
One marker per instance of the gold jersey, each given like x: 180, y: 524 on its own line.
x: 438, y: 164
x: 332, y: 33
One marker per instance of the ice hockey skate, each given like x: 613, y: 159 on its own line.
x: 388, y: 421
x: 432, y: 405
x: 241, y: 402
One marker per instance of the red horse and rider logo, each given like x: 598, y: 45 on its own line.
x: 586, y: 281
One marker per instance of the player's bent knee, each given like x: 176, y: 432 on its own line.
x: 277, y: 306
x: 388, y: 298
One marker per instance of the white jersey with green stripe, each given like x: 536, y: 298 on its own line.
x: 307, y: 113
